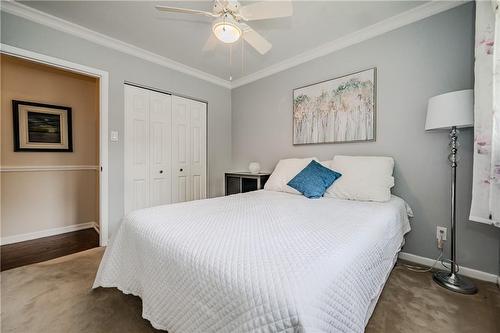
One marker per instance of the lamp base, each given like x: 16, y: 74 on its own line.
x: 454, y: 282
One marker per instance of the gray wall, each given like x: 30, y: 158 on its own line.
x: 121, y: 67
x: 415, y: 62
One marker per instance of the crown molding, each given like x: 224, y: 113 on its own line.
x: 410, y: 16
x: 26, y: 12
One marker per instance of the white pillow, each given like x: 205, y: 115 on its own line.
x: 284, y: 171
x: 364, y: 178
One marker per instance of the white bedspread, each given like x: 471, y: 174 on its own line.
x: 257, y: 262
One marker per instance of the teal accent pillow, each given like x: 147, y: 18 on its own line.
x: 314, y: 180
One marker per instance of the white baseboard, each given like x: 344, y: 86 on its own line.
x: 47, y: 233
x: 469, y: 272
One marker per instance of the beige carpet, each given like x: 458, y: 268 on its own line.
x: 55, y: 296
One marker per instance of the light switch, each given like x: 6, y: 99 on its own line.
x: 114, y: 136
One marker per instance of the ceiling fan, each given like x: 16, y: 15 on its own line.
x: 230, y: 17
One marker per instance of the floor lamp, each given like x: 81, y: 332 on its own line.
x: 451, y: 111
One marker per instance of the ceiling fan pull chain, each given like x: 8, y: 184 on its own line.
x: 242, y: 57
x: 230, y: 61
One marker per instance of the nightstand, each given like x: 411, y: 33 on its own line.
x: 241, y: 182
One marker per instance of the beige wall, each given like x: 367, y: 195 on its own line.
x: 38, y: 200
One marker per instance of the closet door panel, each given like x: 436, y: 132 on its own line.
x: 136, y: 148
x: 198, y: 150
x: 160, y: 148
x: 180, y: 149
x: 165, y: 149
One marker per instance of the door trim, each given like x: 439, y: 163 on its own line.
x: 163, y: 91
x: 103, y: 77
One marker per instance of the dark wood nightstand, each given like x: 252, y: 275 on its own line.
x: 241, y: 182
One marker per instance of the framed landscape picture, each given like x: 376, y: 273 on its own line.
x: 41, y: 127
x: 338, y: 110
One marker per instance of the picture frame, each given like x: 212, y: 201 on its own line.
x: 41, y: 127
x: 338, y: 110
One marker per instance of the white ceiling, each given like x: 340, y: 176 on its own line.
x: 181, y: 37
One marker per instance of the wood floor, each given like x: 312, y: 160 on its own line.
x: 38, y: 250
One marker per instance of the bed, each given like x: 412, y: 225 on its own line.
x: 261, y: 261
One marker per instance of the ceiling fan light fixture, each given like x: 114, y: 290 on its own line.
x: 226, y: 30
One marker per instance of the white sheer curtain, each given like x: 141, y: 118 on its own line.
x: 486, y: 176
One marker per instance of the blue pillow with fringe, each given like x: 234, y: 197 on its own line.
x: 314, y: 180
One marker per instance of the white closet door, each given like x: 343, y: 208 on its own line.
x: 165, y: 149
x: 136, y: 148
x: 180, y: 149
x: 197, y: 177
x: 160, y: 142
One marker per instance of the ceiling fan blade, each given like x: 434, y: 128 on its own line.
x: 255, y: 39
x: 211, y: 43
x: 266, y: 10
x: 185, y: 11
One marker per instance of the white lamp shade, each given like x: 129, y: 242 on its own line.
x: 451, y: 109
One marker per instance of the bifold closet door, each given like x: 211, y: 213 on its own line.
x: 188, y: 149
x: 136, y: 141
x: 160, y: 148
x: 147, y: 141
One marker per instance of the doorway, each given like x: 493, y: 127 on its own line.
x: 53, y: 197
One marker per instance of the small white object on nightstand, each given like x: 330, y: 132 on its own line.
x: 254, y: 167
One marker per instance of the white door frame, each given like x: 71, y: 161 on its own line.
x: 103, y: 121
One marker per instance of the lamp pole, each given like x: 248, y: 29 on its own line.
x: 453, y: 161
x: 451, y: 280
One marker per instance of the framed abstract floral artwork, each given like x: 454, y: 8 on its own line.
x: 337, y: 110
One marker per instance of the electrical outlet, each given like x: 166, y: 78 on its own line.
x: 441, y: 237
x: 441, y: 233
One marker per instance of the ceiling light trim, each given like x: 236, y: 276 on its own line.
x: 392, y: 23
x: 37, y: 16
x: 230, y: 36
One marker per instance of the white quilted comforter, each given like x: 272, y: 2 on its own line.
x: 257, y: 262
